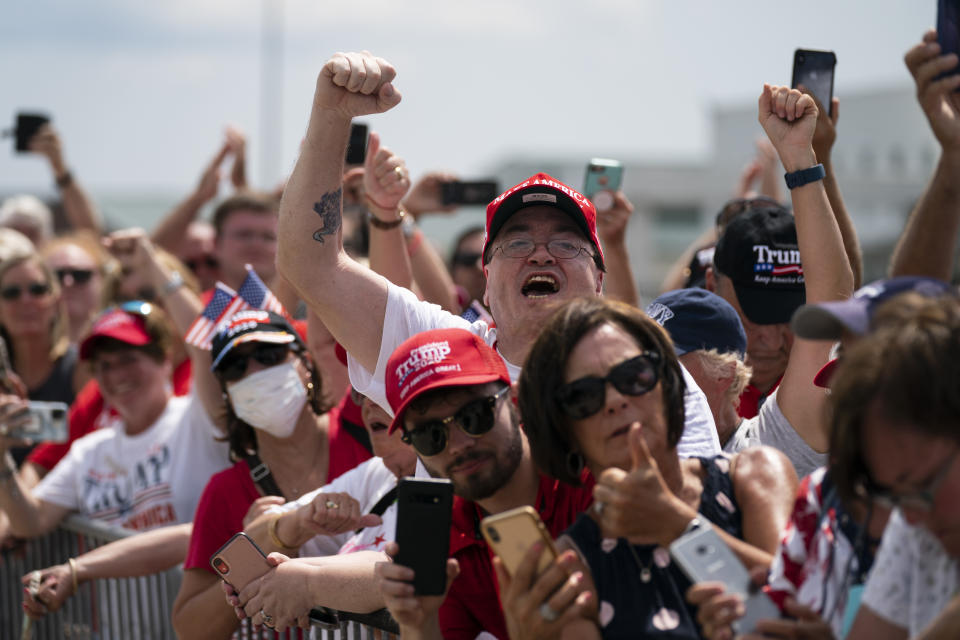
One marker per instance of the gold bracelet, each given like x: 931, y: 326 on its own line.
x: 73, y: 574
x: 272, y: 530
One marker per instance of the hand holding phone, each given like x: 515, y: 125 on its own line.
x: 27, y: 126
x: 239, y: 562
x: 604, y: 178
x: 704, y: 556
x: 423, y: 531
x: 814, y: 70
x: 511, y: 534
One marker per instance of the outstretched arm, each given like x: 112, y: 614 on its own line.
x: 80, y: 210
x: 612, y: 228
x: 927, y: 245
x: 790, y: 118
x: 350, y: 299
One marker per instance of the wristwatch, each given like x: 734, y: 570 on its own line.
x: 804, y: 176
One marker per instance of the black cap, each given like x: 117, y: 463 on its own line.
x: 758, y: 252
x: 252, y: 325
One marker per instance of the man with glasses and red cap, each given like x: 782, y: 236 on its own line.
x: 541, y: 249
x: 450, y: 394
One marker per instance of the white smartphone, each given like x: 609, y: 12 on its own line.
x: 705, y: 557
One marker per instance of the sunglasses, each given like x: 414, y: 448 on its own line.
x: 204, y: 261
x: 234, y: 366
x: 14, y: 291
x: 466, y: 259
x: 78, y: 277
x: 634, y: 377
x: 474, y: 418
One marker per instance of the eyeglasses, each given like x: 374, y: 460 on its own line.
x: 467, y: 259
x: 78, y: 277
x: 13, y: 292
x: 207, y: 261
x: 234, y: 366
x: 524, y: 247
x: 921, y: 500
x: 634, y: 377
x: 474, y: 418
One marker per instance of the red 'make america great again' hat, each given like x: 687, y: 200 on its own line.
x: 541, y: 189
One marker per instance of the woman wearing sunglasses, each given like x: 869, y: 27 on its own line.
x: 80, y: 265
x: 602, y: 389
x: 285, y: 441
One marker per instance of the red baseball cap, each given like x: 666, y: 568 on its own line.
x: 129, y: 328
x: 435, y: 359
x: 541, y: 189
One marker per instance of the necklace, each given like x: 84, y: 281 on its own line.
x: 645, y: 573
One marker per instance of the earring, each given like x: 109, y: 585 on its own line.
x: 575, y: 464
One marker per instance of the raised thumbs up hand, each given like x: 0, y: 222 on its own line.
x: 637, y: 503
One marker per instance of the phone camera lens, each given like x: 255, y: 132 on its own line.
x: 493, y: 534
x: 221, y: 566
x: 801, y: 58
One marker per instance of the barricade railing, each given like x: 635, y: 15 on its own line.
x: 127, y: 608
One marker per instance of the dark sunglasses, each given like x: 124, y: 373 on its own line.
x: 234, y: 366
x: 77, y: 276
x: 35, y: 289
x: 634, y: 377
x: 206, y: 261
x: 474, y: 418
x: 466, y: 259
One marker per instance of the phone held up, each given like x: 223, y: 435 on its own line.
x: 26, y: 127
x: 511, y: 534
x: 948, y: 30
x: 240, y: 561
x: 604, y: 178
x: 814, y: 70
x: 704, y: 556
x: 357, y: 147
x: 423, y: 531
x: 480, y: 192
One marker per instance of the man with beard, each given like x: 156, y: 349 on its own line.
x: 450, y: 393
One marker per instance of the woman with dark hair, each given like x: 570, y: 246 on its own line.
x: 285, y: 442
x: 602, y: 388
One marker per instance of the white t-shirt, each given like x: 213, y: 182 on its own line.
x: 913, y: 578
x: 406, y: 316
x: 771, y: 427
x: 140, y: 482
x: 366, y: 483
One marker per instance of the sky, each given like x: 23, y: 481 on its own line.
x: 141, y: 92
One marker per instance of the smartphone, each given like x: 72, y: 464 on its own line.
x: 604, y: 178
x: 704, y: 556
x: 511, y: 533
x: 357, y: 147
x: 240, y: 561
x: 27, y: 126
x: 814, y: 70
x: 472, y: 192
x: 423, y: 531
x: 40, y: 422
x: 948, y: 30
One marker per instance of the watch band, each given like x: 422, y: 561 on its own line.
x: 380, y: 224
x: 804, y: 176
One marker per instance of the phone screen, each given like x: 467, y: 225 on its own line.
x: 948, y: 30
x: 474, y: 192
x: 357, y: 147
x: 814, y: 70
x: 27, y: 126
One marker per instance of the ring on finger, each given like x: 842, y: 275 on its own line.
x: 399, y: 172
x: 548, y: 613
x: 267, y: 619
x: 598, y: 507
x: 332, y: 505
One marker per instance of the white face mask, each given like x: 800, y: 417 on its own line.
x: 271, y: 399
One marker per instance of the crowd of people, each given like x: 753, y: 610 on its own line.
x: 277, y: 370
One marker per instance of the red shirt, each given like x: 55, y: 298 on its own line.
x: 473, y: 602
x: 751, y: 398
x: 229, y: 494
x: 87, y: 414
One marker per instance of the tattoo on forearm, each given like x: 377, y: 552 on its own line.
x: 329, y: 210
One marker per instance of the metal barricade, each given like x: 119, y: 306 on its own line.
x: 128, y: 608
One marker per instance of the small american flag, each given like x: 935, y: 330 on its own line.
x: 256, y: 294
x: 222, y: 305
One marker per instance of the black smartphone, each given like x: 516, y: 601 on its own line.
x: 814, y: 70
x: 27, y: 126
x: 423, y: 531
x: 948, y: 30
x: 357, y: 147
x: 472, y: 192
